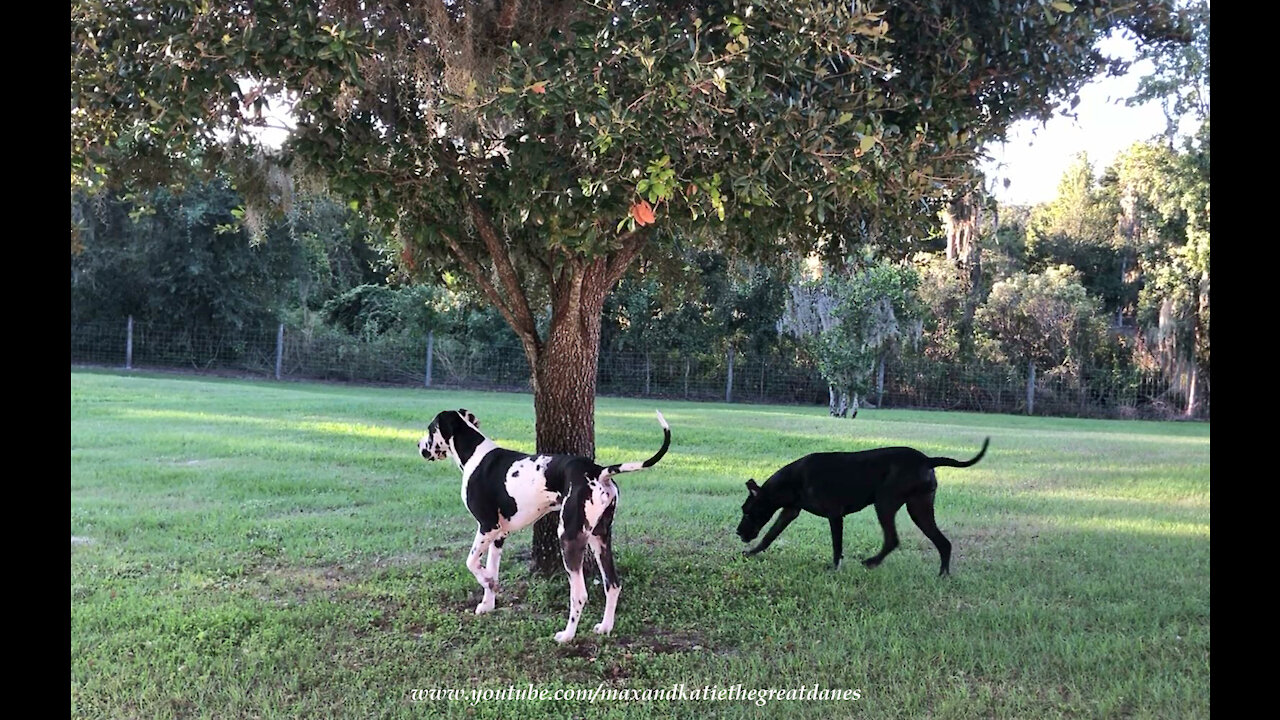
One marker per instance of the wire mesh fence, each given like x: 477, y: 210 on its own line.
x: 912, y: 382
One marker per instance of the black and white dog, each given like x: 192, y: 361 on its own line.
x: 834, y: 484
x: 507, y: 490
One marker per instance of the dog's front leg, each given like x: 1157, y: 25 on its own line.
x: 837, y: 541
x: 478, y: 547
x: 784, y: 519
x: 573, y: 550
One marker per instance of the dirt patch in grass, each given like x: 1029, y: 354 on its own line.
x: 661, y: 642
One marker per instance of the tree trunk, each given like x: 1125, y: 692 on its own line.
x: 1031, y: 387
x: 728, y: 385
x: 646, y: 373
x: 880, y: 383
x: 1192, y: 400
x: 564, y: 365
x: 564, y: 370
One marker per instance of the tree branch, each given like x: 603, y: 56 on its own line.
x: 632, y: 243
x: 477, y: 272
x: 502, y: 264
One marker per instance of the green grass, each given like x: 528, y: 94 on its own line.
x: 254, y: 549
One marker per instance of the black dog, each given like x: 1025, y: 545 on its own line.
x: 835, y: 484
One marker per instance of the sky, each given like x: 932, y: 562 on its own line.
x: 1036, y: 155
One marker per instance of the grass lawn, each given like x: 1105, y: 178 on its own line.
x: 279, y: 550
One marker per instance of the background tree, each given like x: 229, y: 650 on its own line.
x: 850, y: 319
x: 538, y: 147
x: 1041, y: 320
x: 1078, y: 228
x: 183, y: 259
x: 1168, y: 217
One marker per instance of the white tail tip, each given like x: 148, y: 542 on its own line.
x: 662, y: 420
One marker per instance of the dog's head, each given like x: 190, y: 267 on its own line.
x: 435, y: 445
x: 756, y: 511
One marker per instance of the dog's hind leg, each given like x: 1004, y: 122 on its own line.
x: 885, y: 510
x: 478, y: 547
x: 573, y: 549
x: 920, y: 508
x: 495, y: 559
x: 600, y: 546
x: 837, y: 540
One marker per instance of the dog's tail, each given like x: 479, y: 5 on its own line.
x: 948, y: 462
x: 633, y: 466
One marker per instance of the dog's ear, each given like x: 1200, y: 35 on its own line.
x: 752, y: 487
x: 469, y: 417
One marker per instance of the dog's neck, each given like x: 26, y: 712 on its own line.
x: 465, y: 442
x: 777, y: 492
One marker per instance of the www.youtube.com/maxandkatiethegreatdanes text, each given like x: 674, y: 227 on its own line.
x: 600, y: 694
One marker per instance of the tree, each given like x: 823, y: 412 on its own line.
x: 1180, y: 75
x: 850, y: 319
x: 539, y: 147
x: 1167, y: 217
x: 181, y: 259
x: 1041, y: 320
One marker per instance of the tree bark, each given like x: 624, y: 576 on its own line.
x: 564, y: 383
x: 728, y: 385
x: 880, y: 383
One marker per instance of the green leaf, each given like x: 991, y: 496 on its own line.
x: 867, y: 142
x: 1065, y: 7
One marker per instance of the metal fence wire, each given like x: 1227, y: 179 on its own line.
x: 909, y: 382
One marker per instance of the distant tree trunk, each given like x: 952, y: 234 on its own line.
x: 646, y: 373
x: 1201, y: 300
x: 728, y: 385
x: 1031, y: 387
x: 686, y: 377
x: 880, y: 383
x: 832, y: 401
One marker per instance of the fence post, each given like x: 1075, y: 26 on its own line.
x: 728, y: 386
x: 431, y: 351
x: 128, y: 345
x: 279, y: 349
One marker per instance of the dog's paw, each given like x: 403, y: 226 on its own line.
x: 750, y: 551
x: 484, y: 607
x: 602, y: 629
x: 564, y: 636
x: 871, y: 562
